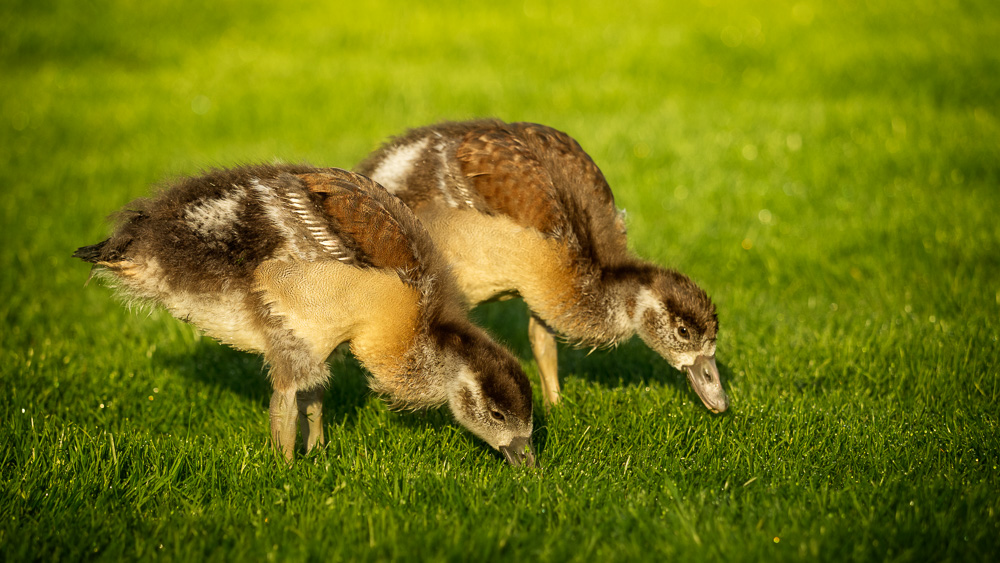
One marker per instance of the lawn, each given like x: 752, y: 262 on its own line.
x: 828, y: 171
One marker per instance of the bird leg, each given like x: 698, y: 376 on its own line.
x: 283, y: 414
x: 543, y: 344
x: 310, y: 405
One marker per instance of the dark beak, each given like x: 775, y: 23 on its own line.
x: 519, y: 452
x: 704, y: 377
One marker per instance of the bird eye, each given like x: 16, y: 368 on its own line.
x: 498, y: 416
x: 683, y: 332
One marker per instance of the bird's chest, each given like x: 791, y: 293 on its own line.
x: 329, y: 303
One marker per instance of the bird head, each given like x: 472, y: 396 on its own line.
x: 491, y: 395
x: 677, y: 319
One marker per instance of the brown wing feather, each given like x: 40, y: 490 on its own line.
x: 567, y: 155
x: 368, y: 220
x: 361, y: 220
x: 582, y: 190
x: 511, y: 180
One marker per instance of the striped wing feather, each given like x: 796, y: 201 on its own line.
x: 380, y: 232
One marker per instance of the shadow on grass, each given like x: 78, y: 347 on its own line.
x: 630, y: 364
x: 246, y: 375
x: 346, y: 393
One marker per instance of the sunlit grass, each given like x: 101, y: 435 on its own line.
x: 827, y: 171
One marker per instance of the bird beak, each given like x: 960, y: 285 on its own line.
x: 704, y: 377
x: 519, y: 451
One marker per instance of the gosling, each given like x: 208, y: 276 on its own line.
x: 520, y: 208
x: 291, y: 261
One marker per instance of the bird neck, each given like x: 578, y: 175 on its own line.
x: 419, y: 378
x: 595, y: 307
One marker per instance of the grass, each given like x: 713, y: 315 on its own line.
x: 829, y: 172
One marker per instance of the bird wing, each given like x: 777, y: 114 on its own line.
x: 542, y: 178
x: 511, y: 179
x: 372, y: 226
x: 577, y: 170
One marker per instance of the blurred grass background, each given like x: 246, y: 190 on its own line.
x: 828, y: 171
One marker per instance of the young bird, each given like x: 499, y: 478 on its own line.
x: 521, y: 208
x: 291, y: 261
